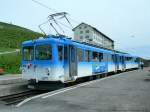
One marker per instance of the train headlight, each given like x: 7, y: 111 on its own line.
x: 20, y: 68
x: 48, y: 71
x: 23, y: 70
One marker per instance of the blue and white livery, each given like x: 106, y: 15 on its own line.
x: 58, y: 59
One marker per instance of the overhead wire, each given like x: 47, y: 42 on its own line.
x: 53, y: 10
x: 44, y: 5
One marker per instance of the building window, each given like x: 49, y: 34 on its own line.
x: 81, y: 37
x: 81, y: 32
x: 85, y: 26
x: 87, y: 31
x: 87, y: 37
x: 80, y: 27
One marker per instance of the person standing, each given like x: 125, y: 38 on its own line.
x: 142, y: 65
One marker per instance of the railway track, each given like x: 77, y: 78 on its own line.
x: 18, y: 97
x: 14, y: 99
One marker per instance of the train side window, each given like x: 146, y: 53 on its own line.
x: 95, y: 56
x: 116, y: 58
x: 108, y: 57
x: 136, y: 60
x: 60, y: 53
x: 105, y: 57
x: 129, y: 58
x: 89, y: 56
x: 72, y: 54
x: 86, y: 55
x: 65, y: 53
x: 113, y: 58
x: 121, y: 58
x: 80, y: 55
x: 100, y: 57
x: 125, y: 58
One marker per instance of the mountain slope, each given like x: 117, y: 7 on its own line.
x: 11, y: 36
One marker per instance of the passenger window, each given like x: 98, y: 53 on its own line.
x: 105, y: 57
x: 86, y: 55
x: 136, y: 60
x: 60, y: 53
x: 95, y: 57
x: 113, y: 58
x: 120, y: 58
x: 126, y: 58
x: 65, y: 53
x: 100, y: 57
x: 89, y: 56
x: 72, y: 54
x: 43, y: 52
x: 80, y: 55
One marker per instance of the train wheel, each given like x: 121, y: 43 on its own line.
x: 90, y: 78
x: 98, y: 76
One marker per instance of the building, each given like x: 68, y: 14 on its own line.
x: 86, y: 33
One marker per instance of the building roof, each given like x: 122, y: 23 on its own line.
x: 95, y: 30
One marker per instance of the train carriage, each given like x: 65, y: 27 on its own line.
x: 57, y: 59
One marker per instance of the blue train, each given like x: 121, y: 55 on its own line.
x: 58, y: 59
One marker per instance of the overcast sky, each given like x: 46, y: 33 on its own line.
x: 127, y: 22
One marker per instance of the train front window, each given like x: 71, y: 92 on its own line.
x: 43, y: 52
x: 28, y: 53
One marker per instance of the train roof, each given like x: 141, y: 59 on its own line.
x: 64, y: 40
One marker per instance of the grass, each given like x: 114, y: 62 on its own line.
x: 6, y: 49
x: 11, y: 37
x: 11, y: 63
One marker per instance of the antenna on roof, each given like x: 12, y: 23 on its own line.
x: 54, y: 28
x: 68, y: 21
x: 52, y: 18
x: 41, y: 27
x: 61, y: 15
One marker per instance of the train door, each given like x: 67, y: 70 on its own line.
x: 72, y: 61
x: 116, y: 62
x: 43, y: 60
x: 123, y: 62
x: 66, y: 62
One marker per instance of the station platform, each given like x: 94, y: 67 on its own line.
x: 10, y: 84
x: 10, y: 79
x: 125, y: 92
